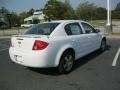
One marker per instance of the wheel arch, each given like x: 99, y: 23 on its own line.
x: 61, y: 51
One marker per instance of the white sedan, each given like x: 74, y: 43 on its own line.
x: 56, y: 44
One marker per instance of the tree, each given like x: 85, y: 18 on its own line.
x: 100, y: 13
x: 116, y: 12
x: 26, y: 14
x: 15, y: 19
x: 9, y: 18
x: 70, y: 13
x: 22, y: 16
x: 31, y: 11
x: 6, y: 15
x: 55, y: 9
x: 3, y: 10
x: 85, y: 11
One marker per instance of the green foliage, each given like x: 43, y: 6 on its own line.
x: 100, y: 13
x: 31, y: 11
x: 10, y: 18
x: 26, y: 14
x: 3, y: 10
x: 70, y: 13
x: 85, y: 11
x: 55, y: 9
x: 15, y: 18
x: 116, y: 12
x: 22, y: 16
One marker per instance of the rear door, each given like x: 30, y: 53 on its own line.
x: 76, y: 35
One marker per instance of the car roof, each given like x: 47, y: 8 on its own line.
x: 65, y: 21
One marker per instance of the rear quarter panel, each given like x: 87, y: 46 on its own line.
x: 58, y: 46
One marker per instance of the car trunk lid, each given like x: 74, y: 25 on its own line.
x: 26, y: 42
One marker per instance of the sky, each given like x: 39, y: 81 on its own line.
x: 25, y: 5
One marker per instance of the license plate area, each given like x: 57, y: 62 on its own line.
x: 18, y: 58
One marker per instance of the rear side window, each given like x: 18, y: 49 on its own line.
x: 73, y: 29
x: 42, y: 29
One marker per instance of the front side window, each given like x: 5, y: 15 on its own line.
x: 88, y: 28
x: 73, y: 29
x: 42, y: 29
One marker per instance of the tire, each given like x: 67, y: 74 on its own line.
x: 66, y: 62
x: 103, y: 45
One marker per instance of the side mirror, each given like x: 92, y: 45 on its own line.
x: 97, y: 30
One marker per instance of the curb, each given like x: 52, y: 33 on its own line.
x: 113, y: 36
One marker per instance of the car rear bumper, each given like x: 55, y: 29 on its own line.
x: 32, y: 58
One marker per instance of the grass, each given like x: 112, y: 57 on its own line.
x: 98, y: 23
x: 115, y: 34
x: 102, y: 23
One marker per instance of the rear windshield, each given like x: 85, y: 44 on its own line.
x: 42, y: 29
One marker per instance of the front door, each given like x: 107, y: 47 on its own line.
x: 93, y: 37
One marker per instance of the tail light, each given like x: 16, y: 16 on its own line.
x: 39, y: 45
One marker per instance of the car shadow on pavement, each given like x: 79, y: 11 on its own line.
x: 46, y: 71
x: 89, y: 57
x: 77, y: 64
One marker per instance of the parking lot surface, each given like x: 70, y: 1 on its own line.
x: 92, y: 72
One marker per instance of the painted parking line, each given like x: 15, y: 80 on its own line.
x: 3, y: 49
x: 116, y: 58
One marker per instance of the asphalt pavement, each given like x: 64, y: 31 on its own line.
x: 92, y: 72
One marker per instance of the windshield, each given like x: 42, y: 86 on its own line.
x: 42, y: 29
